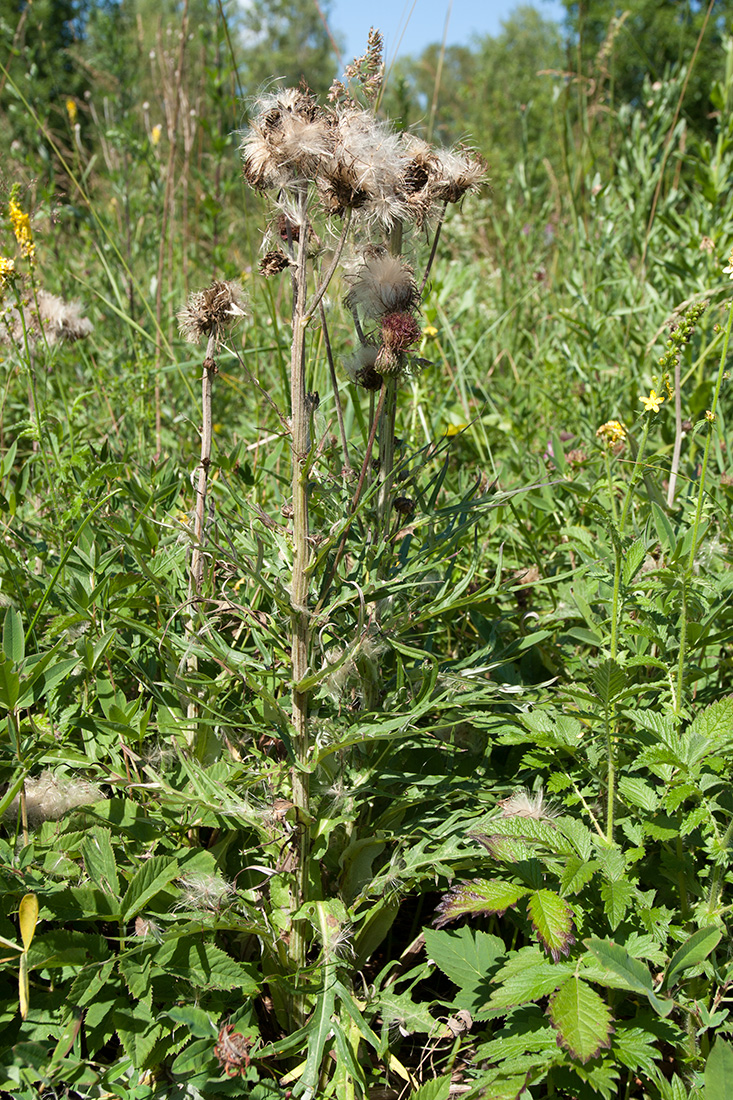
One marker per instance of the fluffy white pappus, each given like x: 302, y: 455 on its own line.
x: 200, y: 890
x: 45, y: 316
x: 369, y: 160
x: 383, y: 284
x: 456, y: 172
x: 49, y: 797
x: 287, y: 141
x: 211, y: 310
x: 523, y: 804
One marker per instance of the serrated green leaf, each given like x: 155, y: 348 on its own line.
x: 552, y: 920
x: 715, y: 722
x: 527, y: 976
x: 99, y: 860
x: 465, y: 956
x: 616, y: 896
x: 204, y: 965
x: 399, y: 1008
x: 719, y: 1071
x: 480, y: 896
x: 638, y: 793
x: 633, y: 560
x: 137, y: 1031
x: 581, y: 1018
x: 437, y: 1089
x: 153, y: 876
x: 609, y: 680
x: 692, y: 952
x: 636, y: 1049
x: 576, y: 873
x: 632, y: 972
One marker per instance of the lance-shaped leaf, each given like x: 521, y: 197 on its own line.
x: 581, y: 1018
x: 631, y: 973
x: 692, y: 952
x: 719, y: 1071
x: 480, y: 896
x: 552, y: 920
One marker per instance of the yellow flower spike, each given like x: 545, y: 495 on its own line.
x: 155, y: 134
x: 652, y: 403
x: 71, y: 110
x: 21, y: 224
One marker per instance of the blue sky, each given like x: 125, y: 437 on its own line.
x: 410, y: 25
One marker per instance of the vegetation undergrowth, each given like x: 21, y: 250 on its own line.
x: 365, y: 671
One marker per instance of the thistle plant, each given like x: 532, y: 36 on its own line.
x: 347, y: 192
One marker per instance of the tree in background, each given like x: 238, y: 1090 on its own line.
x: 287, y: 41
x: 652, y: 37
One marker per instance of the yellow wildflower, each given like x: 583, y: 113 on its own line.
x: 21, y: 224
x: 71, y: 110
x: 430, y: 330
x: 155, y: 134
x: 709, y: 416
x: 612, y: 432
x: 7, y: 270
x: 653, y: 402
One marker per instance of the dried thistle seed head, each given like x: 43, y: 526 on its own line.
x: 200, y: 890
x: 360, y: 367
x: 289, y: 137
x: 211, y: 311
x: 404, y: 506
x: 49, y: 797
x: 44, y: 317
x: 368, y: 164
x: 274, y: 262
x: 383, y: 284
x: 455, y: 172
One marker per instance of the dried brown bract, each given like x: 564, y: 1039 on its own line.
x: 211, y: 311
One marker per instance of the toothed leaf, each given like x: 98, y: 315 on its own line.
x: 480, y: 896
x: 552, y: 920
x: 581, y: 1018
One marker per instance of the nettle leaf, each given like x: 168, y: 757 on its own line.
x: 609, y: 680
x: 715, y: 722
x: 490, y: 896
x: 581, y: 1018
x: 638, y: 793
x: 552, y: 920
x: 464, y: 955
x: 527, y: 976
x: 577, y: 873
x: 616, y: 897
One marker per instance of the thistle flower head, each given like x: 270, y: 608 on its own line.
x: 383, y: 284
x: 456, y: 172
x: 399, y: 331
x: 366, y: 170
x: 211, y: 311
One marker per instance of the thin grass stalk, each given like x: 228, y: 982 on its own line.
x: 197, y: 557
x: 387, y: 420
x: 346, y: 467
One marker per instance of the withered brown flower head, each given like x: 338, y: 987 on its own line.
x: 211, y: 311
x: 273, y: 262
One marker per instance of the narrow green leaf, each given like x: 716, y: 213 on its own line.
x: 319, y: 1037
x: 633, y: 973
x: 692, y: 952
x: 99, y: 860
x: 664, y: 528
x: 28, y: 918
x: 13, y: 636
x: 552, y: 920
x: 581, y: 1018
x: 719, y: 1071
x: 480, y: 896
